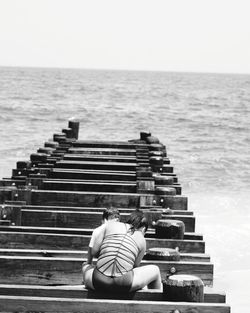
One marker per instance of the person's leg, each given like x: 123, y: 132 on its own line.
x: 87, y: 271
x: 148, y: 275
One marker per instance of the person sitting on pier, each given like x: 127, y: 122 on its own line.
x: 108, y: 214
x: 120, y: 248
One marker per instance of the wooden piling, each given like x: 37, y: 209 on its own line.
x: 74, y: 125
x: 183, y: 288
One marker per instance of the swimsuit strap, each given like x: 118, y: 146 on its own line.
x: 121, y: 254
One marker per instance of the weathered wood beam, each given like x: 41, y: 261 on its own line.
x: 96, y: 209
x: 177, y: 202
x: 46, y: 304
x: 51, y: 271
x: 89, y: 186
x: 87, y: 219
x: 117, y: 166
x: 85, y: 198
x: 189, y: 257
x: 167, y: 168
x: 92, y: 175
x: 79, y: 231
x: 100, y: 199
x: 100, y: 158
x: 107, y: 144
x: 139, y: 158
x: 79, y: 291
x: 19, y: 238
x: 5, y: 182
x: 103, y: 151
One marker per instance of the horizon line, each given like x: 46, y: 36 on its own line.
x: 122, y: 69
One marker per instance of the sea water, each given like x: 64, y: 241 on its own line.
x: 203, y: 119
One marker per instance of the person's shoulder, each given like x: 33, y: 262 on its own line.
x: 139, y: 238
x: 113, y: 223
x: 115, y: 226
x: 96, y: 234
x: 99, y: 229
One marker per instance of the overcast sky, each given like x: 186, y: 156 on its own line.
x: 168, y: 35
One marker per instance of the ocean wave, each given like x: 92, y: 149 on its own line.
x: 202, y: 119
x: 58, y: 96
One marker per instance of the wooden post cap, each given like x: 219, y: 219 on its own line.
x: 156, y: 147
x: 156, y: 160
x: 152, y: 139
x: 183, y: 288
x: 158, y: 153
x: 165, y: 191
x: 163, y: 180
x: 156, y: 163
x: 169, y: 229
x: 51, y: 144
x: 46, y: 150
x: 162, y: 254
x: 38, y: 157
x: 60, y: 137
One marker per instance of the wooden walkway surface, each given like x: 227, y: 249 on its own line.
x: 51, y: 204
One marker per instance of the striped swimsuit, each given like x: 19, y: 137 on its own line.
x: 115, y: 263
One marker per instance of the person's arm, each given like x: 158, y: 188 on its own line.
x: 95, y: 243
x: 141, y: 254
x: 89, y: 256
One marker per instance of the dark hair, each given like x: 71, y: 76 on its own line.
x: 110, y: 213
x: 137, y: 220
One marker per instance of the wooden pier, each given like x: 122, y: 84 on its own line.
x: 51, y: 203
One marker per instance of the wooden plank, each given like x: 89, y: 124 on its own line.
x: 99, y: 199
x: 171, y: 174
x: 167, y: 168
x: 51, y: 271
x: 111, y: 158
x: 118, y: 166
x: 94, y: 181
x: 5, y: 222
x: 46, y: 304
x: 77, y: 209
x: 106, y: 144
x: 12, y: 182
x: 46, y: 240
x: 102, y: 151
x: 69, y: 219
x: 96, y: 209
x: 189, y: 257
x: 88, y: 219
x: 175, y: 202
x: 178, y: 202
x: 79, y: 231
x: 92, y: 175
x: 42, y: 171
x: 89, y: 186
x: 100, y: 158
x: 79, y: 291
x: 177, y: 187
